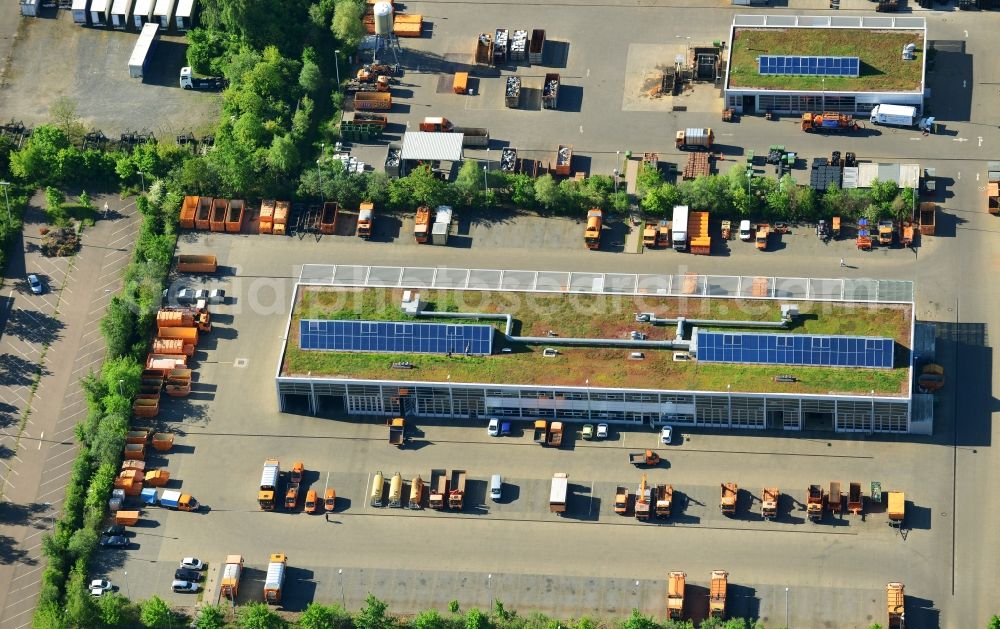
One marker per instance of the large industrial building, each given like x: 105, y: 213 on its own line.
x: 683, y: 372
x: 847, y: 64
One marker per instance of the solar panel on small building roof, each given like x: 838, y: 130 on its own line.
x: 795, y: 65
x: 795, y: 349
x: 398, y: 337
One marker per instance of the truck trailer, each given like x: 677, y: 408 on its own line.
x: 143, y: 51
x: 558, y: 494
x: 694, y: 139
x: 554, y: 439
x: 232, y: 570
x: 439, y: 489
x: 456, y: 496
x: 814, y: 503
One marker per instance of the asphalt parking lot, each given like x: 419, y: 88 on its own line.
x: 56, y: 58
x: 233, y: 408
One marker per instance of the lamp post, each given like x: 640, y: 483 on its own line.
x: 871, y: 428
x: 589, y: 411
x: 343, y: 599
x: 142, y: 179
x: 121, y: 388
x: 729, y: 397
x: 6, y: 199
x: 486, y: 182
x: 618, y: 155
x: 128, y: 591
x: 319, y: 171
x: 336, y: 64
x: 489, y: 586
x: 786, y: 608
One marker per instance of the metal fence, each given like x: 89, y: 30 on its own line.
x: 691, y: 285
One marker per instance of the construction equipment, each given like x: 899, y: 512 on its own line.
x: 769, y: 503
x: 644, y: 500
x: 269, y: 479
x: 422, y: 227
x: 717, y: 594
x: 897, y: 508
x: 814, y: 503
x: 397, y: 431
x: 763, y: 231
x: 232, y: 570
x: 558, y: 495
x: 886, y: 227
x: 664, y: 500
x: 698, y: 239
x: 439, y: 489
x: 835, y: 499
x: 621, y: 500
x: 541, y: 431
x: 644, y: 458
x: 864, y: 239
x: 274, y: 579
x: 663, y: 234
x: 895, y: 605
x: 366, y: 216
x: 649, y: 234
x: 377, y: 84
x: 396, y: 490
x: 701, y: 139
x: 555, y: 435
x: 854, y: 499
x: 564, y: 160
x: 675, y: 595
x: 829, y: 122
x: 378, y: 489
x: 456, y: 495
x: 416, y: 493
x: 727, y: 503
x: 592, y: 234
x: 187, y: 263
x: 550, y: 91
x: 372, y: 101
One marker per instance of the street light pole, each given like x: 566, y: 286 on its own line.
x: 128, y: 591
x: 336, y: 63
x: 618, y: 155
x: 486, y: 182
x: 786, y: 608
x: 343, y: 599
x: 489, y: 585
x: 142, y: 178
x: 319, y: 171
x: 121, y: 388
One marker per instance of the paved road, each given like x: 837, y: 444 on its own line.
x: 58, y: 334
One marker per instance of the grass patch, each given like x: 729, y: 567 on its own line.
x: 84, y: 214
x: 604, y: 316
x: 880, y: 52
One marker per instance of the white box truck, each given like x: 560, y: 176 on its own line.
x: 185, y: 14
x: 81, y: 11
x: 679, y: 233
x: 121, y: 14
x: 142, y: 13
x: 899, y: 116
x: 143, y: 50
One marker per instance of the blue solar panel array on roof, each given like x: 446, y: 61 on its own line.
x: 793, y: 65
x: 795, y: 349
x: 397, y: 337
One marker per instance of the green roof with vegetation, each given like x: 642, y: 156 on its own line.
x: 880, y: 52
x: 597, y: 316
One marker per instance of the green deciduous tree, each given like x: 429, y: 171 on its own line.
x: 425, y: 188
x: 347, y: 26
x: 372, y: 615
x: 310, y: 76
x: 638, y: 621
x: 660, y: 201
x: 112, y: 608
x: 547, y: 192
x: 319, y: 616
x: 154, y: 612
x: 469, y: 182
x: 429, y: 619
x: 258, y: 616
x: 475, y: 619
x: 117, y: 327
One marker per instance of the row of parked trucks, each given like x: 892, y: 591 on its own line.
x: 677, y: 584
x: 134, y: 14
x: 274, y: 578
x: 502, y: 47
x: 819, y: 501
x: 433, y: 226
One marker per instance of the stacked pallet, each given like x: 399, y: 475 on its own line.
x: 280, y: 217
x: 698, y: 165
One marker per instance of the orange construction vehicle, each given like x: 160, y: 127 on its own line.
x: 643, y: 500
x: 763, y: 231
x: 663, y: 234
x: 592, y: 235
x: 422, y: 229
x: 664, y: 500
x: 644, y: 458
x: 895, y: 604
x: 829, y: 122
x: 814, y: 503
x: 232, y: 570
x: 854, y: 500
x: 621, y: 500
x: 885, y: 229
x: 675, y: 595
x: 727, y: 504
x: 366, y: 217
x: 717, y: 594
x: 906, y: 231
x: 864, y: 240
x: 649, y: 235
x: 835, y: 499
x: 769, y: 503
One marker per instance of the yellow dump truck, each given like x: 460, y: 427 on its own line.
x: 592, y: 234
x: 675, y: 595
x: 727, y: 504
x: 897, y: 508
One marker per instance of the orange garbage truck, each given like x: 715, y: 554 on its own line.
x: 592, y: 234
